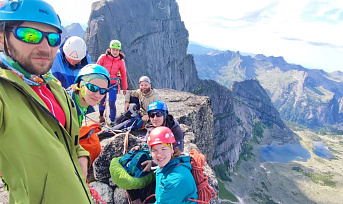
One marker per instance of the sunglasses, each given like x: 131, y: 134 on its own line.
x: 95, y: 88
x: 34, y: 36
x: 158, y: 114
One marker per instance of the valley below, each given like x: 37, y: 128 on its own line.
x: 316, y: 180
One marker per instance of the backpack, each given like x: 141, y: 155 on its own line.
x: 127, y: 171
x: 90, y: 141
x: 131, y: 161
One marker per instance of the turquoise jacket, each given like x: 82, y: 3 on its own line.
x: 175, y: 182
x: 38, y: 156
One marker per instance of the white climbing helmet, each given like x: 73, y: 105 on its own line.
x: 75, y: 48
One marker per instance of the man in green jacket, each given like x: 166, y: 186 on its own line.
x: 41, y: 160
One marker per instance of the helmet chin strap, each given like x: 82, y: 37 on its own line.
x: 5, y: 44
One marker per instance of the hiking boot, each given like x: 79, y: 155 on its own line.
x: 113, y: 123
x: 101, y: 119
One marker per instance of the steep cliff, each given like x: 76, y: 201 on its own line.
x: 238, y: 112
x: 153, y: 38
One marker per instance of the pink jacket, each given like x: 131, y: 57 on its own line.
x: 114, y: 65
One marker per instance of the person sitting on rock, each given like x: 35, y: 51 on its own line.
x: 70, y: 58
x: 174, y: 179
x: 136, y: 106
x: 143, y: 97
x: 158, y: 114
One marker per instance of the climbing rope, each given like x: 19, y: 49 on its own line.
x: 205, y: 192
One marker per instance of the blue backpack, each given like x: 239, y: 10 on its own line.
x: 132, y: 161
x: 127, y: 171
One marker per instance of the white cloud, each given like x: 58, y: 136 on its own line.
x: 298, y: 30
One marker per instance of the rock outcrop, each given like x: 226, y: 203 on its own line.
x: 237, y: 112
x: 153, y: 38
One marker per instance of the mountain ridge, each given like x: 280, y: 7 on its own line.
x: 309, y: 97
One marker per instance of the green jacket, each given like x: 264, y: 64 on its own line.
x: 38, y: 156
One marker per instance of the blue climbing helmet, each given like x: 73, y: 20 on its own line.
x: 93, y: 69
x: 29, y: 10
x: 157, y: 105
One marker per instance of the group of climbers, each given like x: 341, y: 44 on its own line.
x: 50, y: 153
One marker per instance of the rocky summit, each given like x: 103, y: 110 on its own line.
x: 153, y: 38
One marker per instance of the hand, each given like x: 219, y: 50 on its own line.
x: 124, y: 92
x: 127, y: 105
x: 84, y: 163
x: 147, y: 165
x: 104, y: 104
x: 135, y: 148
x: 145, y: 118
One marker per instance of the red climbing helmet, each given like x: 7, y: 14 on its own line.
x: 161, y: 135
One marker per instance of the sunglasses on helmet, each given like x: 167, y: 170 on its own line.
x: 158, y: 114
x: 95, y: 88
x: 34, y: 36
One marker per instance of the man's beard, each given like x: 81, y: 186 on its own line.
x: 26, y: 63
x: 145, y: 91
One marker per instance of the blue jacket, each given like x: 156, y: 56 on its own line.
x: 175, y: 182
x: 65, y: 72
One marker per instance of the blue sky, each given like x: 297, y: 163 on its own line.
x: 305, y: 32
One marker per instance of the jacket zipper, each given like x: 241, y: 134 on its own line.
x: 52, y: 107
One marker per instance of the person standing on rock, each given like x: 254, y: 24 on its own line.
x: 41, y: 160
x: 174, y: 179
x: 70, y: 58
x: 113, y: 61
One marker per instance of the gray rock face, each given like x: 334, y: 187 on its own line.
x: 153, y: 37
x: 3, y: 193
x: 236, y: 113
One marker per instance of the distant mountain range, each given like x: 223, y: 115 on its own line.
x: 195, y: 48
x: 310, y: 97
x: 73, y: 29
